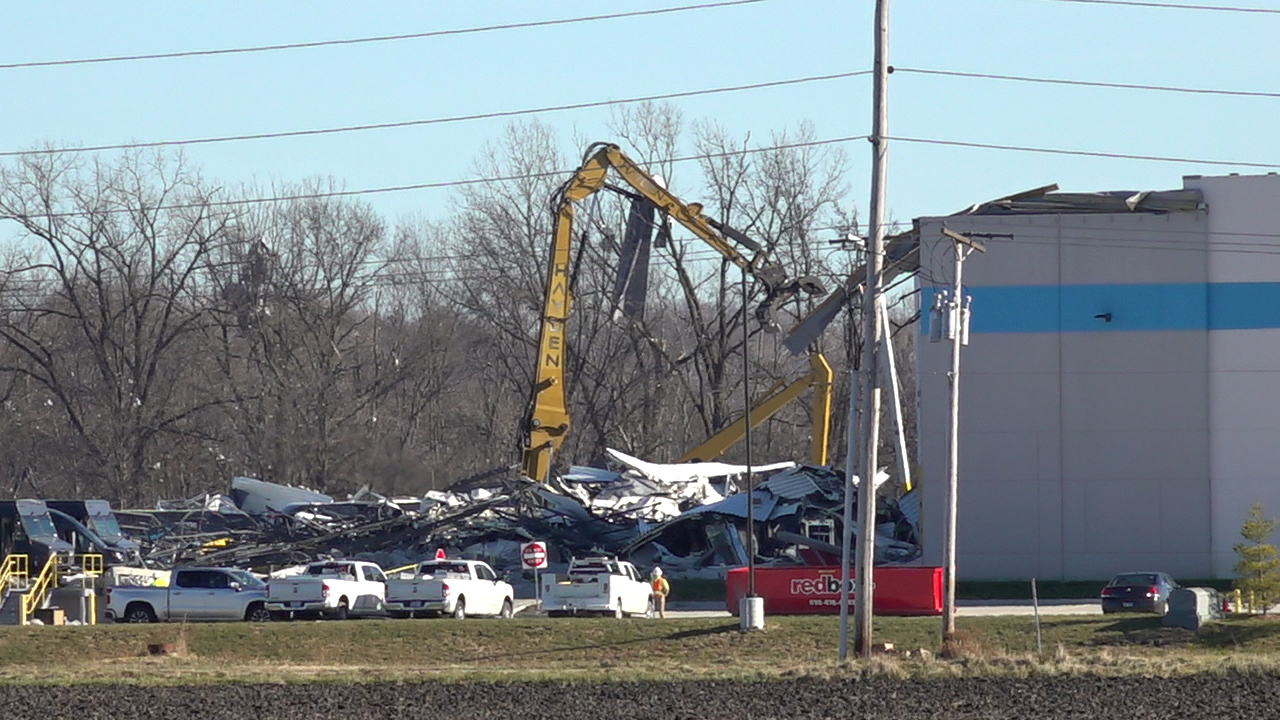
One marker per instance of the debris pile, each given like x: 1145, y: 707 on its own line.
x: 690, y: 518
x: 798, y: 514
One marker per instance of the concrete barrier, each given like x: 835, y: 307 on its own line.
x: 1192, y: 607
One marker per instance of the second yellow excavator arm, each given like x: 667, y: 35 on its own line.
x: 818, y: 379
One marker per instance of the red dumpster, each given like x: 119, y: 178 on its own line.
x: 814, y: 589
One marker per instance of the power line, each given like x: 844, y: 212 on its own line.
x: 689, y: 158
x: 1084, y: 153
x: 1175, y: 6
x: 442, y: 184
x: 376, y: 39
x: 1088, y: 83
x: 438, y: 121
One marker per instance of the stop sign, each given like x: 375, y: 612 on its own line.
x: 533, y: 555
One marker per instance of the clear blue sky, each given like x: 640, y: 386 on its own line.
x: 505, y: 70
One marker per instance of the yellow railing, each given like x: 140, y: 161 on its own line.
x: 34, y: 597
x: 91, y: 566
x: 13, y: 573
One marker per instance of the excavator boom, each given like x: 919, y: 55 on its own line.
x: 774, y: 399
x: 548, y: 419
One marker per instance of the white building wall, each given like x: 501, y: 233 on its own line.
x: 1244, y: 386
x: 1085, y: 445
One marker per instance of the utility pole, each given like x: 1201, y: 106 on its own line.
x: 871, y: 338
x: 751, y: 607
x: 853, y: 435
x: 958, y: 330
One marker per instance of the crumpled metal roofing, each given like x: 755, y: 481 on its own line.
x: 791, y: 484
x: 736, y: 505
x: 1045, y: 200
x: 690, y: 472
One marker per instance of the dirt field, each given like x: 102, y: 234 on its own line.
x: 882, y: 698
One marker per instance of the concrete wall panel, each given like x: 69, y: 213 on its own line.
x: 1123, y: 455
x: 1136, y: 352
x: 1185, y: 518
x: 1116, y: 249
x: 999, y: 353
x: 1123, y: 517
x: 1012, y: 401
x: 1243, y: 217
x: 999, y: 457
x: 1245, y: 350
x: 1134, y: 401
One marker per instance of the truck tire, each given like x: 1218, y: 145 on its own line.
x: 257, y: 612
x: 139, y: 613
x: 508, y: 610
x: 617, y: 612
x: 460, y: 609
x: 343, y: 611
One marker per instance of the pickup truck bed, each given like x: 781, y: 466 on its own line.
x: 331, y: 589
x: 457, y: 588
x: 597, y: 586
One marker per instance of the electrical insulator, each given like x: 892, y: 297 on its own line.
x: 953, y: 318
x: 936, y: 317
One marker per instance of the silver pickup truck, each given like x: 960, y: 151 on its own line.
x: 194, y: 594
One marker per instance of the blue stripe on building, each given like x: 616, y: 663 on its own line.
x: 1132, y: 308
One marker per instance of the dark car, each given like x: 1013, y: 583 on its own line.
x: 1138, y: 592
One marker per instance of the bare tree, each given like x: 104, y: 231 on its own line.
x: 105, y: 299
x: 300, y: 346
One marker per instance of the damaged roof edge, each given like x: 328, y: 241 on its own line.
x: 1047, y: 200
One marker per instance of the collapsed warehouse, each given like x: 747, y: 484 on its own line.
x: 689, y: 518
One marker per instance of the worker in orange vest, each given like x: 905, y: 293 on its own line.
x: 661, y: 589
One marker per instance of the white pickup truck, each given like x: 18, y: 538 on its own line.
x: 450, y: 587
x: 598, y: 586
x: 335, y: 589
x: 195, y: 594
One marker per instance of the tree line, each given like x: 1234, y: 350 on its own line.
x: 160, y: 334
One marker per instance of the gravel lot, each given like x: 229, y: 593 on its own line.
x: 884, y: 699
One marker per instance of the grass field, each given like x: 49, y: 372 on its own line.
x: 605, y: 649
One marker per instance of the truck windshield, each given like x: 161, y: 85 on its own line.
x: 247, y: 579
x: 39, y: 527
x: 443, y: 568
x: 106, y: 526
x: 335, y: 569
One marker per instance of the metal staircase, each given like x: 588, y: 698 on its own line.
x: 37, y: 595
x: 14, y: 582
x: 22, y: 595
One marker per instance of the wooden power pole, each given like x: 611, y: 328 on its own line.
x: 872, y: 337
x: 957, y: 324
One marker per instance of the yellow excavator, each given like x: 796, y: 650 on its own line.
x: 548, y: 420
x: 817, y: 379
